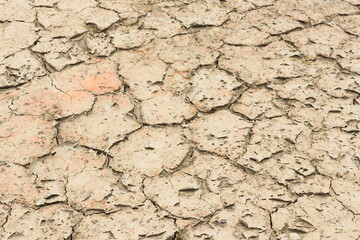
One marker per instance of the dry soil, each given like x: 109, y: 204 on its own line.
x: 179, y: 119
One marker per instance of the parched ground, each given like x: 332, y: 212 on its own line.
x: 179, y: 119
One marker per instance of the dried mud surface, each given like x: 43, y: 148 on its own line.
x: 180, y: 119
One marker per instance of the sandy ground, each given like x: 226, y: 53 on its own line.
x: 179, y: 120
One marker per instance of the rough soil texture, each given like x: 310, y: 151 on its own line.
x: 179, y: 119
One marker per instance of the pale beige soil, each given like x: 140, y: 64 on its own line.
x: 179, y: 119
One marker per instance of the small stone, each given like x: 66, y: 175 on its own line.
x: 294, y: 236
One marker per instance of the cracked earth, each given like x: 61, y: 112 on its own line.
x: 179, y: 119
